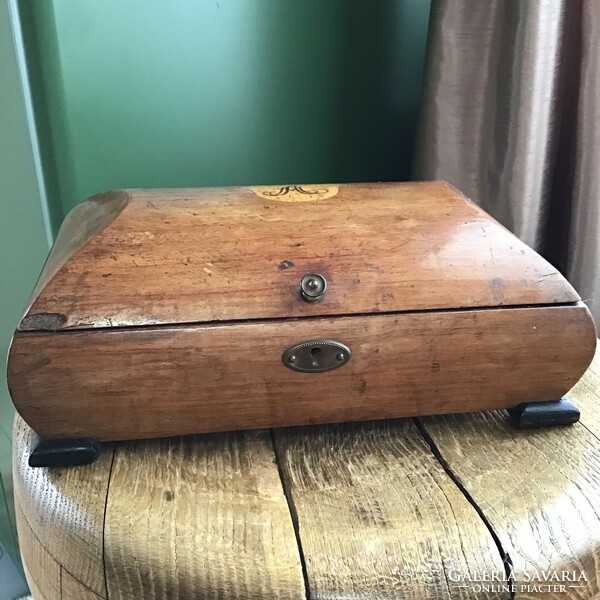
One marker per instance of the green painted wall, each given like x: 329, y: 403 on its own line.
x: 23, y: 244
x: 155, y: 93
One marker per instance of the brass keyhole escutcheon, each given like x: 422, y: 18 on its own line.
x: 316, y: 356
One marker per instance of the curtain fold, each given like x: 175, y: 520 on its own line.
x: 511, y: 117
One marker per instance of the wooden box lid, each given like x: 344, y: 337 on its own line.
x: 151, y: 257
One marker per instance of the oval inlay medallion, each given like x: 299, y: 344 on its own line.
x: 296, y: 193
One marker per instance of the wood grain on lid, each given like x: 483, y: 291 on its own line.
x: 204, y: 255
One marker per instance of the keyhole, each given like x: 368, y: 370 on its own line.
x: 316, y: 354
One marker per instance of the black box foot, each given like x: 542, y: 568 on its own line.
x: 65, y: 452
x: 552, y: 413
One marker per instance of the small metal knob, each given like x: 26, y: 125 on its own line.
x: 312, y: 287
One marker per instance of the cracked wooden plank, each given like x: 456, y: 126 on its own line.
x: 377, y: 515
x: 72, y: 589
x: 539, y: 490
x: 200, y: 517
x: 196, y: 517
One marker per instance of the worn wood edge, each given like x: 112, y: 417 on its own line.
x: 41, y: 569
x: 46, y: 577
x: 83, y: 222
x: 565, y: 463
x: 64, y: 508
x: 35, y: 592
x: 570, y: 291
x: 334, y: 568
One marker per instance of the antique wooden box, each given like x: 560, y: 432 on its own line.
x: 163, y: 312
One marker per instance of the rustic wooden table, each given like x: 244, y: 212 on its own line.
x: 411, y: 508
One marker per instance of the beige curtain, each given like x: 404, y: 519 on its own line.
x: 511, y: 116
